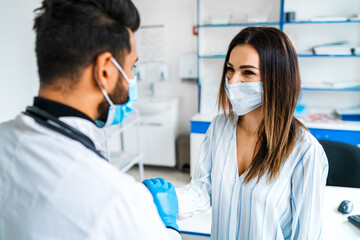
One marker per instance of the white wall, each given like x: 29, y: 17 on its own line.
x: 312, y: 70
x: 177, y: 17
x: 19, y: 80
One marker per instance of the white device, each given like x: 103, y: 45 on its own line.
x: 188, y: 67
x: 164, y: 72
x: 140, y: 72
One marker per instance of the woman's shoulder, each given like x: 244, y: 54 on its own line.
x: 222, y: 120
x: 305, y: 138
x: 308, y: 146
x: 219, y: 124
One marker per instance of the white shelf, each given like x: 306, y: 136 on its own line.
x: 201, y: 117
x: 124, y: 161
x: 129, y: 122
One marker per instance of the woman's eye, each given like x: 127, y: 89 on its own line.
x: 249, y: 73
x: 230, y: 69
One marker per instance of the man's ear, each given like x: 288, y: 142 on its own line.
x: 105, y: 71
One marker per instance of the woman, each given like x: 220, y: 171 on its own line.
x: 260, y: 169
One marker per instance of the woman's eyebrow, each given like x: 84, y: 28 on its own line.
x: 248, y: 66
x: 243, y: 66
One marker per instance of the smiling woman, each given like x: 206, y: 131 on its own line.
x: 265, y: 55
x: 259, y: 168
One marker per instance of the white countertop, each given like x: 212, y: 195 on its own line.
x: 335, y: 224
x: 201, y: 117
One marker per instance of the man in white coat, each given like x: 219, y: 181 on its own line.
x: 55, y: 181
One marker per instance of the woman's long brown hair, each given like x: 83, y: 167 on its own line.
x: 279, y: 73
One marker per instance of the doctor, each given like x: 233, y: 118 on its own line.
x: 55, y: 181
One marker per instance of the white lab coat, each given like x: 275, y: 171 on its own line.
x: 52, y: 187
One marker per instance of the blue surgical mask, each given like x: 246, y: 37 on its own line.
x: 117, y: 112
x: 244, y: 97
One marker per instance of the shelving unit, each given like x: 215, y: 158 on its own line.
x: 240, y: 24
x: 327, y: 56
x: 299, y: 55
x: 122, y: 159
x: 208, y: 59
x: 322, y: 22
x: 357, y: 89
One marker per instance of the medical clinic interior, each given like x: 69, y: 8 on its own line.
x: 207, y: 119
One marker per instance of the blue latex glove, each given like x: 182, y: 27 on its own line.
x: 165, y: 200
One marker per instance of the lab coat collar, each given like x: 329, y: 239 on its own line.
x: 76, y: 119
x: 97, y: 135
x: 58, y: 109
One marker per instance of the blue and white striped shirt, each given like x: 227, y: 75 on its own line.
x: 289, y: 207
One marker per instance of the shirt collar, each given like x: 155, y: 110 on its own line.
x: 58, y: 109
x: 76, y: 119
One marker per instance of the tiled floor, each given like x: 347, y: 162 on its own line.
x: 170, y: 174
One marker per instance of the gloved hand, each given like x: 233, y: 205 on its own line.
x: 165, y: 200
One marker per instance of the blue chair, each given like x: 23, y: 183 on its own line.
x: 344, y: 164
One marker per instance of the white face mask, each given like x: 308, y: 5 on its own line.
x: 244, y: 97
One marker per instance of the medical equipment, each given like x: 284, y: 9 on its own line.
x: 346, y: 207
x: 355, y: 219
x: 49, y: 121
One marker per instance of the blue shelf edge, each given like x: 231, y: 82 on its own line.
x: 212, y: 56
x: 320, y: 22
x: 299, y: 55
x: 357, y: 89
x: 327, y: 56
x: 195, y: 233
x: 239, y: 24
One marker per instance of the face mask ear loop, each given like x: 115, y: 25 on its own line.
x: 107, y: 145
x: 102, y: 89
x: 117, y: 65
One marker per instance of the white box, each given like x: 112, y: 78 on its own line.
x: 188, y: 67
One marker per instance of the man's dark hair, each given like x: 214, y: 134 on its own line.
x: 70, y: 34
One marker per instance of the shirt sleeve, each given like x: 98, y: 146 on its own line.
x: 195, y: 198
x: 132, y: 217
x: 308, y: 184
x: 173, y: 234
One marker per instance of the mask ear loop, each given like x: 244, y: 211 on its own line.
x: 102, y: 89
x: 104, y: 142
x: 117, y: 65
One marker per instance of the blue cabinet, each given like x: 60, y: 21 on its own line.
x: 346, y: 136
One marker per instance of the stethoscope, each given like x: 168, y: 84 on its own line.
x: 47, y: 120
